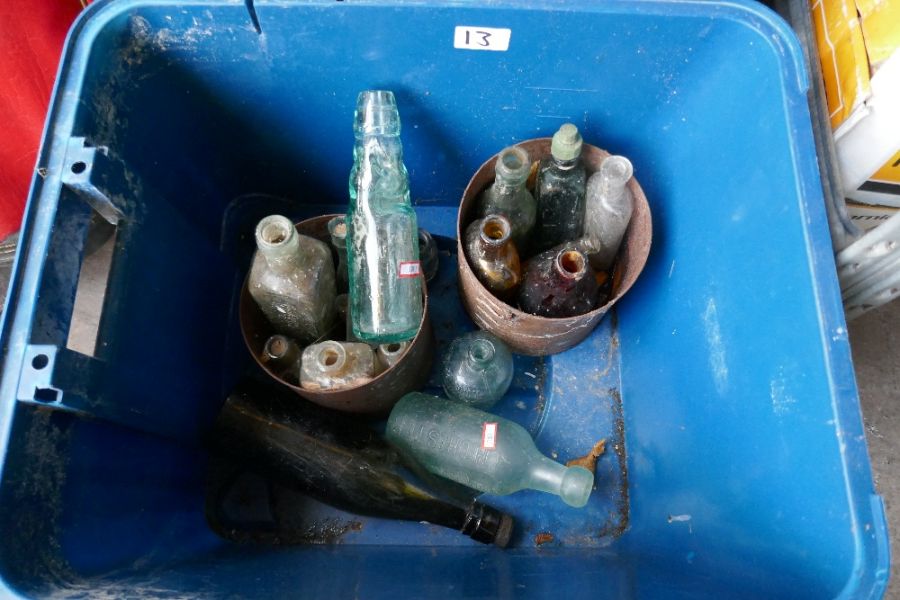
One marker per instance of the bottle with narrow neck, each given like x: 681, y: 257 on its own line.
x: 480, y: 450
x: 558, y: 283
x: 493, y: 255
x: 382, y: 250
x: 509, y: 197
x: 292, y: 280
x: 609, y: 207
x: 341, y: 462
x: 477, y: 369
x: 282, y: 355
x: 337, y: 229
x: 560, y: 191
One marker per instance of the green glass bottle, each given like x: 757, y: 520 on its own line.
x: 382, y: 235
x: 480, y: 450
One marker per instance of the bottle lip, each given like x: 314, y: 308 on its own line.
x: 495, y: 230
x: 571, y: 263
x: 481, y: 351
x: 274, y: 231
x: 276, y: 347
x: 513, y: 165
x: 376, y: 113
x: 566, y: 143
x: 337, y: 228
x: 393, y: 348
x: 331, y: 356
x: 616, y: 169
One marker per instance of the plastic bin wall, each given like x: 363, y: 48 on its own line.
x: 747, y: 471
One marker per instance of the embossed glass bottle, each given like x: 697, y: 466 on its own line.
x: 609, y: 207
x: 493, y: 255
x: 477, y: 369
x: 292, y: 280
x: 383, y: 249
x: 480, y: 450
x: 558, y: 283
x: 508, y: 196
x: 560, y: 191
x: 337, y: 229
x: 334, y: 365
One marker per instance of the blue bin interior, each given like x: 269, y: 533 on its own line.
x: 724, y: 379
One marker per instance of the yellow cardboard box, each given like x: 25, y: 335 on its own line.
x: 859, y: 46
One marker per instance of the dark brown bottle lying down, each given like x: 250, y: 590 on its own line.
x: 340, y: 462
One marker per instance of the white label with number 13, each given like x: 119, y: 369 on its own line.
x: 481, y: 38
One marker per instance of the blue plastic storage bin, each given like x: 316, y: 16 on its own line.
x: 737, y: 462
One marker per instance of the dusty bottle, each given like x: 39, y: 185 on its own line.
x: 292, y: 280
x: 558, y: 283
x: 477, y: 369
x: 335, y: 365
x: 383, y: 249
x: 428, y: 255
x: 609, y: 207
x: 480, y: 450
x: 341, y: 462
x: 493, y: 255
x: 508, y: 196
x: 282, y: 355
x: 560, y: 191
x: 337, y: 229
x: 388, y: 354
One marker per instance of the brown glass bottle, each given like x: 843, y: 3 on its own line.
x: 493, y: 255
x: 558, y: 283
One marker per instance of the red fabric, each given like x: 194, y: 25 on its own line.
x: 31, y: 40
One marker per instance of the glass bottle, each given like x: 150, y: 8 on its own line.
x: 480, y: 450
x: 335, y: 365
x: 509, y: 197
x: 341, y: 462
x: 292, y: 280
x: 609, y: 207
x: 558, y: 283
x: 337, y: 229
x: 428, y: 254
x: 389, y: 354
x: 383, y: 249
x: 477, y: 369
x: 282, y: 355
x: 493, y: 255
x: 560, y: 191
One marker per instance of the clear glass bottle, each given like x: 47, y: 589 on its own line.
x: 337, y: 229
x: 389, y: 354
x: 428, y: 255
x: 560, y: 191
x: 509, y: 197
x: 339, y: 461
x: 493, y: 255
x: 334, y: 365
x: 609, y: 207
x: 292, y: 280
x: 282, y: 355
x: 558, y: 283
x: 480, y: 450
x: 383, y: 249
x: 477, y: 369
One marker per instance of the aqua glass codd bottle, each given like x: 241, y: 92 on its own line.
x: 477, y: 369
x: 560, y: 191
x: 480, y: 450
x: 382, y: 236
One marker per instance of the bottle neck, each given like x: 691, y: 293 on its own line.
x: 546, y: 476
x: 279, y: 243
x: 331, y: 358
x: 379, y: 176
x: 565, y: 165
x: 479, y: 355
x: 612, y: 189
x: 493, y: 236
x: 569, y: 266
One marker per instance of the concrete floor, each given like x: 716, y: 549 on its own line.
x: 875, y: 342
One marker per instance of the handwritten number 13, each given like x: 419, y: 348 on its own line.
x: 484, y: 38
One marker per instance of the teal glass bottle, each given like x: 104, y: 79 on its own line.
x: 477, y: 369
x: 382, y: 235
x: 480, y: 450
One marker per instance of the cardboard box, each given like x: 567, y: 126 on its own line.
x: 859, y: 47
